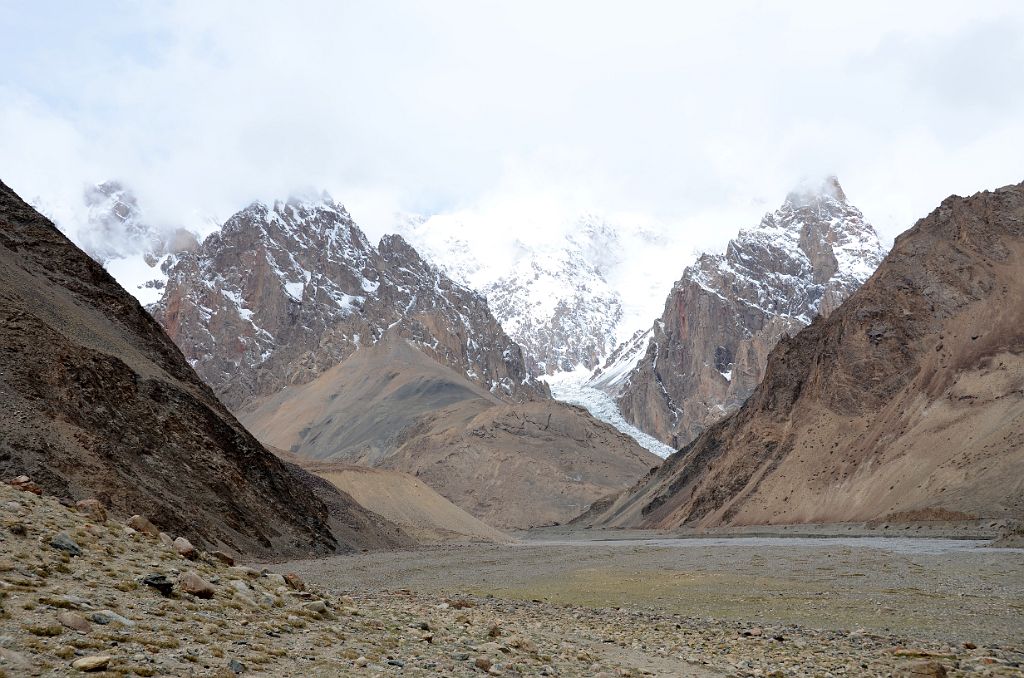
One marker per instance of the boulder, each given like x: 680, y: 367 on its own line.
x: 25, y: 484
x: 185, y: 549
x: 142, y: 524
x: 74, y: 621
x: 97, y: 662
x: 92, y: 508
x: 191, y: 582
x: 63, y: 542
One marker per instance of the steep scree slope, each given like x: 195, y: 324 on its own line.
x: 98, y: 402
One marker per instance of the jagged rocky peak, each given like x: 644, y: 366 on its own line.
x: 707, y: 352
x: 289, y: 289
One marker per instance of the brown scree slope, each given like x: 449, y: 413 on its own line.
x: 512, y: 465
x: 98, y: 402
x: 908, y: 398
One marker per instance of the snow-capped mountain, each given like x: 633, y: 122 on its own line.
x: 285, y: 291
x: 706, y: 353
x: 112, y: 229
x: 569, y: 294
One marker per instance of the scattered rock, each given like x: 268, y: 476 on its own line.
x: 191, y: 582
x: 142, y: 524
x: 925, y: 669
x: 104, y: 617
x: 92, y: 508
x: 482, y: 663
x: 166, y: 539
x: 25, y: 484
x: 236, y: 666
x: 63, y: 542
x: 74, y: 621
x: 185, y: 549
x: 295, y: 581
x: 160, y: 582
x: 96, y: 662
x: 225, y: 558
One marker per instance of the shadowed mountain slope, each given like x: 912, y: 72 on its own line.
x: 98, y: 402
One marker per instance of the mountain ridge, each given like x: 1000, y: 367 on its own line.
x: 706, y: 353
x: 101, y: 404
x: 907, y: 398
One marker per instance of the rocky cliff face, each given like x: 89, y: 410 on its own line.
x: 285, y: 291
x: 907, y: 400
x: 559, y: 307
x: 98, y: 402
x: 707, y: 352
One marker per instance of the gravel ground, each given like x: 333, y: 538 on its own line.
x: 843, y: 606
x: 80, y: 593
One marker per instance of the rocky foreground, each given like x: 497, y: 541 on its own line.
x: 81, y: 593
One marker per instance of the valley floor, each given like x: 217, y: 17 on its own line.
x: 80, y: 593
x: 867, y: 606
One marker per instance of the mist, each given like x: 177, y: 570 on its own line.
x: 700, y: 118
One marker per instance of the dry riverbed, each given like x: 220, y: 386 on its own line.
x: 867, y: 606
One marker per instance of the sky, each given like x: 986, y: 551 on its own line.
x: 687, y: 114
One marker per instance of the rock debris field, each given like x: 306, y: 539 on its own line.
x: 83, y: 594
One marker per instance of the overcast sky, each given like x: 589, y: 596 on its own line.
x: 683, y: 112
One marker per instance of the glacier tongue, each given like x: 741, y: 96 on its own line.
x: 572, y: 388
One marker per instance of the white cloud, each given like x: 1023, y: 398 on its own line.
x: 675, y: 112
